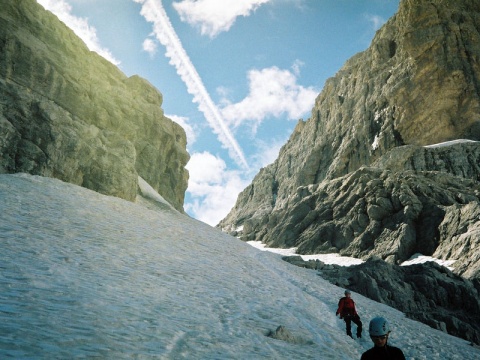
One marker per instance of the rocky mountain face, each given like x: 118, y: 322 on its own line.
x: 362, y: 176
x: 67, y: 113
x: 375, y: 211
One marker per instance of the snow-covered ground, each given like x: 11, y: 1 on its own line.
x: 84, y: 275
x: 326, y: 258
x: 450, y: 143
x: 419, y: 258
x: 347, y: 261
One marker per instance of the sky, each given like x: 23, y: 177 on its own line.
x: 237, y: 75
x: 84, y: 275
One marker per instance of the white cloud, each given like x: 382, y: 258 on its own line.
x: 189, y: 130
x: 215, y: 16
x: 377, y: 21
x: 213, y: 187
x: 296, y: 67
x: 268, y: 151
x: 150, y: 46
x: 80, y: 27
x: 272, y: 92
x: 153, y: 12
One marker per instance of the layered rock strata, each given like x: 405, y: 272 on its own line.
x: 66, y: 112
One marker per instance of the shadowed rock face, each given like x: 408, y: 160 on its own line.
x: 66, y: 112
x: 339, y: 183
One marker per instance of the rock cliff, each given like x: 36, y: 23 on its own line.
x: 66, y: 112
x: 361, y: 176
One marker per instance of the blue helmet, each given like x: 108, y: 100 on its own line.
x: 378, y: 327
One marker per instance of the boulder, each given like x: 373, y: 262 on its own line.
x: 283, y: 334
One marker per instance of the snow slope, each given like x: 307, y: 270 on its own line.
x: 84, y: 275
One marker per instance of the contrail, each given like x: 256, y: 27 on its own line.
x: 153, y: 11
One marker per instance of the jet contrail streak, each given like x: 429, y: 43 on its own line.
x: 154, y: 12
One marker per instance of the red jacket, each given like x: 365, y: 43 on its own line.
x: 346, y: 306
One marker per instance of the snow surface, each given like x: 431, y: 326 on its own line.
x: 325, y: 258
x: 450, y: 143
x: 419, y: 258
x: 375, y: 143
x: 83, y: 275
x: 149, y: 193
x: 345, y: 260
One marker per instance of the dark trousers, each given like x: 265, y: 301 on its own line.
x: 356, y: 320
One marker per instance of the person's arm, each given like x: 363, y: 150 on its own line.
x: 340, y: 308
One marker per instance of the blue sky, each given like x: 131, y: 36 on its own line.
x: 236, y: 74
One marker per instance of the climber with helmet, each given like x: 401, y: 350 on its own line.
x: 346, y: 310
x: 379, y: 330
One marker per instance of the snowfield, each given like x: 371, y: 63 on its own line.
x: 83, y: 275
x: 450, y: 143
x: 348, y: 261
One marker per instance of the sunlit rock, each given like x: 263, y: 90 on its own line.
x: 66, y: 112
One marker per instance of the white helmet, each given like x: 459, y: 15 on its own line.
x: 378, y: 327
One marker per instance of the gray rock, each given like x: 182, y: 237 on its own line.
x: 66, y: 112
x: 298, y: 261
x: 283, y: 334
x: 378, y: 213
x: 459, y: 234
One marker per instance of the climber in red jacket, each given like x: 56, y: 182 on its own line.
x: 346, y: 310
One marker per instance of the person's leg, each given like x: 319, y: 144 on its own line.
x: 348, y: 322
x: 358, y: 322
